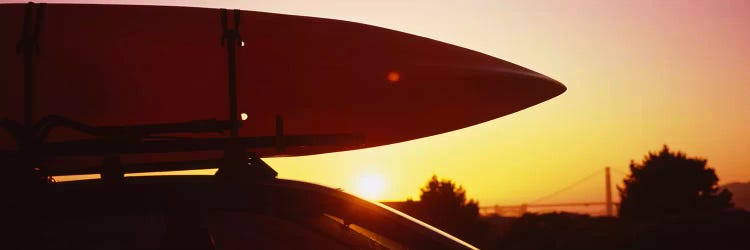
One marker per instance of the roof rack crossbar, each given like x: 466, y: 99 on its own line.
x: 105, y: 147
x: 133, y: 168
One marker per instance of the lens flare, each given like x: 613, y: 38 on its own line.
x: 393, y: 76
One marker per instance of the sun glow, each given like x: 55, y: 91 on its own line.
x: 370, y: 186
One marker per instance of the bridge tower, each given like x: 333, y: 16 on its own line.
x: 608, y: 191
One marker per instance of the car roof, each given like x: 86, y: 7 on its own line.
x: 90, y: 191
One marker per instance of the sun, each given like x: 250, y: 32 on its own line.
x: 370, y: 186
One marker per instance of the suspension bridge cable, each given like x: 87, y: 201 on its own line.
x: 619, y: 171
x: 598, y: 172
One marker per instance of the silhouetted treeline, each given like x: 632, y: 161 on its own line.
x: 558, y: 231
x: 669, y: 201
x: 728, y: 229
x: 711, y: 230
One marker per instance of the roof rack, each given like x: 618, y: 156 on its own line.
x: 110, y: 142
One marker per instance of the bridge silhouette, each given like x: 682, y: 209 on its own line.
x: 607, y: 205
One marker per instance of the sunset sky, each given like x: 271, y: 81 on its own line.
x: 640, y: 74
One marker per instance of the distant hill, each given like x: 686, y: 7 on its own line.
x: 740, y: 194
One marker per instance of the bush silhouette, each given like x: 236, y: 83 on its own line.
x: 670, y: 183
x: 443, y: 204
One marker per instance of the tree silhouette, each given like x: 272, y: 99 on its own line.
x: 443, y: 204
x: 670, y: 183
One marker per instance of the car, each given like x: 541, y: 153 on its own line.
x: 116, y: 89
x: 197, y: 212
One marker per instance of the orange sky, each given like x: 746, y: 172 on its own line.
x: 639, y: 74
